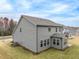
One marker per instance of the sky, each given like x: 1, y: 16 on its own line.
x: 60, y: 11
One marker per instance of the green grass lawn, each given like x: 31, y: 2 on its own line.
x: 9, y: 52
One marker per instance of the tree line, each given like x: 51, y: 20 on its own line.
x: 6, y: 26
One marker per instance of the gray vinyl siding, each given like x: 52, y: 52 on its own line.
x: 27, y: 36
x: 64, y: 45
x: 44, y: 34
x: 59, y: 29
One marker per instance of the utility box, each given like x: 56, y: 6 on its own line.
x: 59, y: 41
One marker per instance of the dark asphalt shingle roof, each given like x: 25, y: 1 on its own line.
x: 40, y: 21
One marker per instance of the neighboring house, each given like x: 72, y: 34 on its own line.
x: 77, y: 32
x: 72, y: 31
x: 37, y: 34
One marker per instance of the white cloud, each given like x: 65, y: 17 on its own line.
x: 24, y: 3
x: 72, y: 19
x: 42, y: 15
x: 11, y: 15
x: 60, y: 8
x: 15, y: 17
x: 65, y: 20
x: 55, y: 8
x: 5, y: 6
x: 35, y: 14
x: 27, y: 3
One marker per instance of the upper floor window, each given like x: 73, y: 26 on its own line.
x: 59, y: 29
x: 49, y: 29
x: 56, y: 29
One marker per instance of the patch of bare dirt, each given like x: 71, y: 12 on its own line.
x: 74, y: 41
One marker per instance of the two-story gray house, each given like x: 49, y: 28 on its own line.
x: 36, y: 33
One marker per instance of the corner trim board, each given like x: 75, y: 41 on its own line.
x: 37, y: 39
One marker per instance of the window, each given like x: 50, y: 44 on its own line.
x: 54, y: 41
x: 41, y: 43
x: 44, y: 42
x: 47, y: 41
x: 59, y: 29
x: 56, y: 29
x: 20, y: 30
x: 49, y: 29
x: 57, y: 42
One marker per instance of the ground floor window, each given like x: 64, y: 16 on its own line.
x: 57, y: 42
x: 54, y: 41
x: 56, y: 29
x: 44, y: 42
x: 49, y: 29
x: 47, y: 41
x: 41, y: 43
